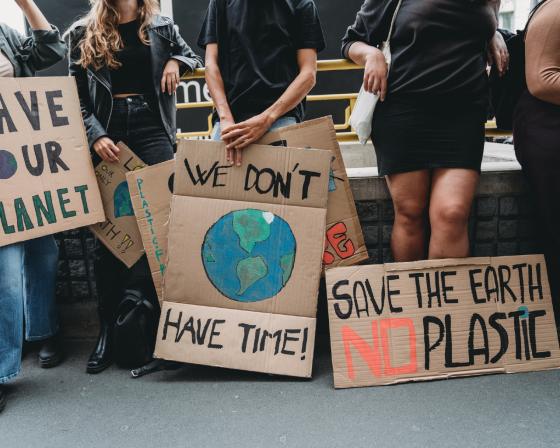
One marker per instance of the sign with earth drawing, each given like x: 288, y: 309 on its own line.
x: 47, y: 183
x: 119, y: 232
x: 244, y: 258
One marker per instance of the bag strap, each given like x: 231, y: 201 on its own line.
x: 393, y: 20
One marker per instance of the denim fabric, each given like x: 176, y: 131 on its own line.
x: 27, y: 299
x: 133, y: 122
x: 280, y: 123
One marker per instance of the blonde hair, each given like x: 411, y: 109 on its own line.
x: 101, y: 39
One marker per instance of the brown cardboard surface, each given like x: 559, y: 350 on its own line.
x: 119, y: 233
x: 267, y: 175
x: 47, y: 183
x: 186, y: 280
x: 344, y: 237
x: 150, y: 191
x: 258, y: 342
x: 477, y: 316
x: 254, y: 254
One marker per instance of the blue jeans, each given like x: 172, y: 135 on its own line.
x: 27, y: 299
x: 280, y: 123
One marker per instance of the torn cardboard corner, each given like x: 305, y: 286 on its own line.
x: 119, y: 233
x: 247, y: 242
x: 47, y: 182
x: 344, y: 239
x: 150, y: 192
x: 430, y: 320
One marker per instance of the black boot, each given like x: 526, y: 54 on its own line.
x: 109, y: 274
x: 102, y: 356
x: 51, y: 354
x: 3, y: 398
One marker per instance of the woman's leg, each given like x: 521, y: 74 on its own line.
x: 41, y: 265
x: 41, y: 314
x: 451, y: 200
x: 409, y: 192
x: 11, y: 310
x: 107, y: 268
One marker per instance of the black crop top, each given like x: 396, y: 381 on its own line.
x: 438, y: 46
x: 135, y: 73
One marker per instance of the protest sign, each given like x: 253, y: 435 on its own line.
x: 119, y: 233
x: 243, y: 340
x: 245, y: 246
x: 419, y: 321
x: 344, y: 240
x: 150, y: 191
x: 47, y: 183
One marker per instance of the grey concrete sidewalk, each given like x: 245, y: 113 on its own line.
x: 204, y: 407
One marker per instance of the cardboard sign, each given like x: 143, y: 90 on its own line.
x: 245, y: 243
x: 47, y: 183
x: 234, y: 339
x: 119, y: 233
x: 420, y: 321
x: 150, y: 190
x: 344, y: 240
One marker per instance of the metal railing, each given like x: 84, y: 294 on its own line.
x: 343, y: 131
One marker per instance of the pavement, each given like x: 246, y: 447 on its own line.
x: 206, y: 407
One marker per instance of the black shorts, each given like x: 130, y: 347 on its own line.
x: 411, y: 134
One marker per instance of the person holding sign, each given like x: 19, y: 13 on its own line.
x: 261, y: 62
x: 428, y: 128
x: 127, y: 60
x: 28, y: 270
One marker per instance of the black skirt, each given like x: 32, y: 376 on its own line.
x: 411, y: 133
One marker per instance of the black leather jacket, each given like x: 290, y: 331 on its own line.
x: 94, y: 86
x: 29, y: 54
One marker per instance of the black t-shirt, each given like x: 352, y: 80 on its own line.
x: 135, y: 73
x: 257, y: 45
x: 438, y: 46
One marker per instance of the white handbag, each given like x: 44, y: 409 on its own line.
x: 361, y: 118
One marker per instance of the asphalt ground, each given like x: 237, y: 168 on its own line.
x: 206, y: 407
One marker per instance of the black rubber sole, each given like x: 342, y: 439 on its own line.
x: 51, y: 362
x: 96, y: 370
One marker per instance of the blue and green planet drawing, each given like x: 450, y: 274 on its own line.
x: 249, y: 255
x: 122, y: 201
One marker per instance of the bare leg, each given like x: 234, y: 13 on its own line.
x: 410, y: 198
x: 452, y: 195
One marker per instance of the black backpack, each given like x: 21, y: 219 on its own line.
x: 505, y: 91
x: 135, y: 330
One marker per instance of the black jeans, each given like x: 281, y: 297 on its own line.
x: 135, y: 123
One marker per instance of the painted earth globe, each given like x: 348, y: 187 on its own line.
x: 249, y: 255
